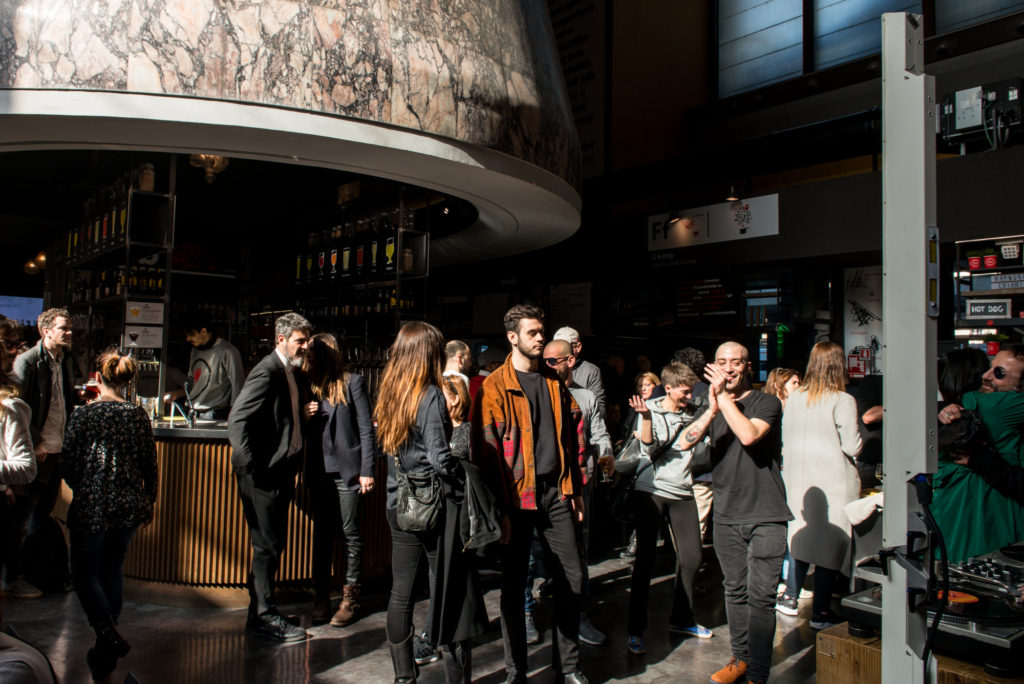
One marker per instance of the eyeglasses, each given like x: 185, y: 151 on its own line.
x: 554, y: 360
x: 999, y: 372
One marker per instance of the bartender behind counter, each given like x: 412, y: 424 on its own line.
x: 215, y: 370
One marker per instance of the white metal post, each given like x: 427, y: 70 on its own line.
x: 909, y: 305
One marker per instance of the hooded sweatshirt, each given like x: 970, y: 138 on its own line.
x: 668, y: 473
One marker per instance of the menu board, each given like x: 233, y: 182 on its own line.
x: 705, y: 297
x: 151, y: 337
x: 144, y: 313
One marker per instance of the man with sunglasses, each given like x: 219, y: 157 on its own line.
x: 976, y: 516
x: 598, y: 453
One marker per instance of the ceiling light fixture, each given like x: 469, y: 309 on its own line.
x: 733, y: 196
x: 211, y: 163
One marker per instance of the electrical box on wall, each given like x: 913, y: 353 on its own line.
x: 987, y: 112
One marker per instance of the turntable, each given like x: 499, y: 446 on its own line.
x: 984, y: 619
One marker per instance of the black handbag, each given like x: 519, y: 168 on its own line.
x: 420, y: 499
x: 966, y: 434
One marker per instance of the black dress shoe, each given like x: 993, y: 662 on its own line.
x: 277, y: 628
x: 576, y: 677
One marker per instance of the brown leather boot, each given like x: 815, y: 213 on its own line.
x: 347, y: 610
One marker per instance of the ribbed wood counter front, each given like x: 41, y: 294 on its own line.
x: 198, y: 538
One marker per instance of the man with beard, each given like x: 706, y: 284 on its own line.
x: 265, y: 429
x: 528, y: 447
x: 977, y: 517
x: 44, y: 374
x: 751, y: 513
x: 214, y: 370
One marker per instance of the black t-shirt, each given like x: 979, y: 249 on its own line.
x: 868, y: 395
x: 542, y: 419
x: 747, y: 483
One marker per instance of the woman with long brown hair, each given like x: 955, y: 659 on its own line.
x: 109, y: 462
x: 414, y: 431
x: 820, y: 441
x: 340, y: 457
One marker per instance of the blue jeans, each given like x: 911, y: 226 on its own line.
x: 97, y: 562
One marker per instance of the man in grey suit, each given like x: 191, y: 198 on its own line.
x: 266, y: 439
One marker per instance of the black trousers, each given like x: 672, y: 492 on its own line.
x: 266, y: 495
x: 684, y: 521
x: 751, y: 560
x: 408, y: 550
x: 335, y: 508
x: 557, y: 530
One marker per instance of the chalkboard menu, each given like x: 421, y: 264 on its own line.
x: 706, y: 297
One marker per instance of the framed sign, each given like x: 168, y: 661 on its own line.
x: 144, y: 313
x: 150, y: 337
x: 988, y: 308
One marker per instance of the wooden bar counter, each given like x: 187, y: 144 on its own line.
x: 197, y: 548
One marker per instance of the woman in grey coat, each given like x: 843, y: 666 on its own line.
x: 820, y: 442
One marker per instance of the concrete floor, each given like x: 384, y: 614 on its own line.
x: 211, y: 645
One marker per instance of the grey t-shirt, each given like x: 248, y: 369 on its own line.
x: 216, y: 375
x: 748, y: 485
x: 542, y: 419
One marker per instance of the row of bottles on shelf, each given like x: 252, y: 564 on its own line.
x: 368, y: 362
x: 361, y: 303
x: 113, y: 282
x: 104, y: 221
x: 355, y: 249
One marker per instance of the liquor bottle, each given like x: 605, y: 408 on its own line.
x: 106, y: 211
x: 97, y: 290
x: 122, y: 214
x: 321, y: 260
x: 390, y: 238
x: 310, y: 257
x: 119, y: 288
x: 335, y: 244
x: 299, y: 258
x: 159, y: 289
x: 133, y: 280
x: 346, y: 250
x: 360, y: 247
x: 373, y: 239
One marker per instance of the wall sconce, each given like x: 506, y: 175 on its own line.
x: 211, y: 163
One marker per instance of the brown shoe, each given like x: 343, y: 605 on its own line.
x: 347, y: 610
x: 735, y: 671
x: 321, y: 611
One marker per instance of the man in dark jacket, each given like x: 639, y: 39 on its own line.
x: 44, y: 374
x: 265, y: 429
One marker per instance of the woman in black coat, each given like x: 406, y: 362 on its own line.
x: 415, y: 432
x: 339, y: 471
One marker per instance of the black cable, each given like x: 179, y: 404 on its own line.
x: 944, y: 602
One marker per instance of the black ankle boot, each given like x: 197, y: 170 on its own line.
x: 458, y: 663
x: 101, y: 663
x: 109, y: 640
x: 402, y: 659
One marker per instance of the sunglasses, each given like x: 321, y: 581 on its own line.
x: 554, y: 360
x: 999, y: 372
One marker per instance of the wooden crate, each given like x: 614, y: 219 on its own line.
x: 845, y: 659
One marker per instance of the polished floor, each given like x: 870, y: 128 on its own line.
x: 211, y: 645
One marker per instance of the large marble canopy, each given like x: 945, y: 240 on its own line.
x: 458, y: 95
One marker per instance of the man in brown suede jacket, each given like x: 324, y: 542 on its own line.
x: 527, y: 444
